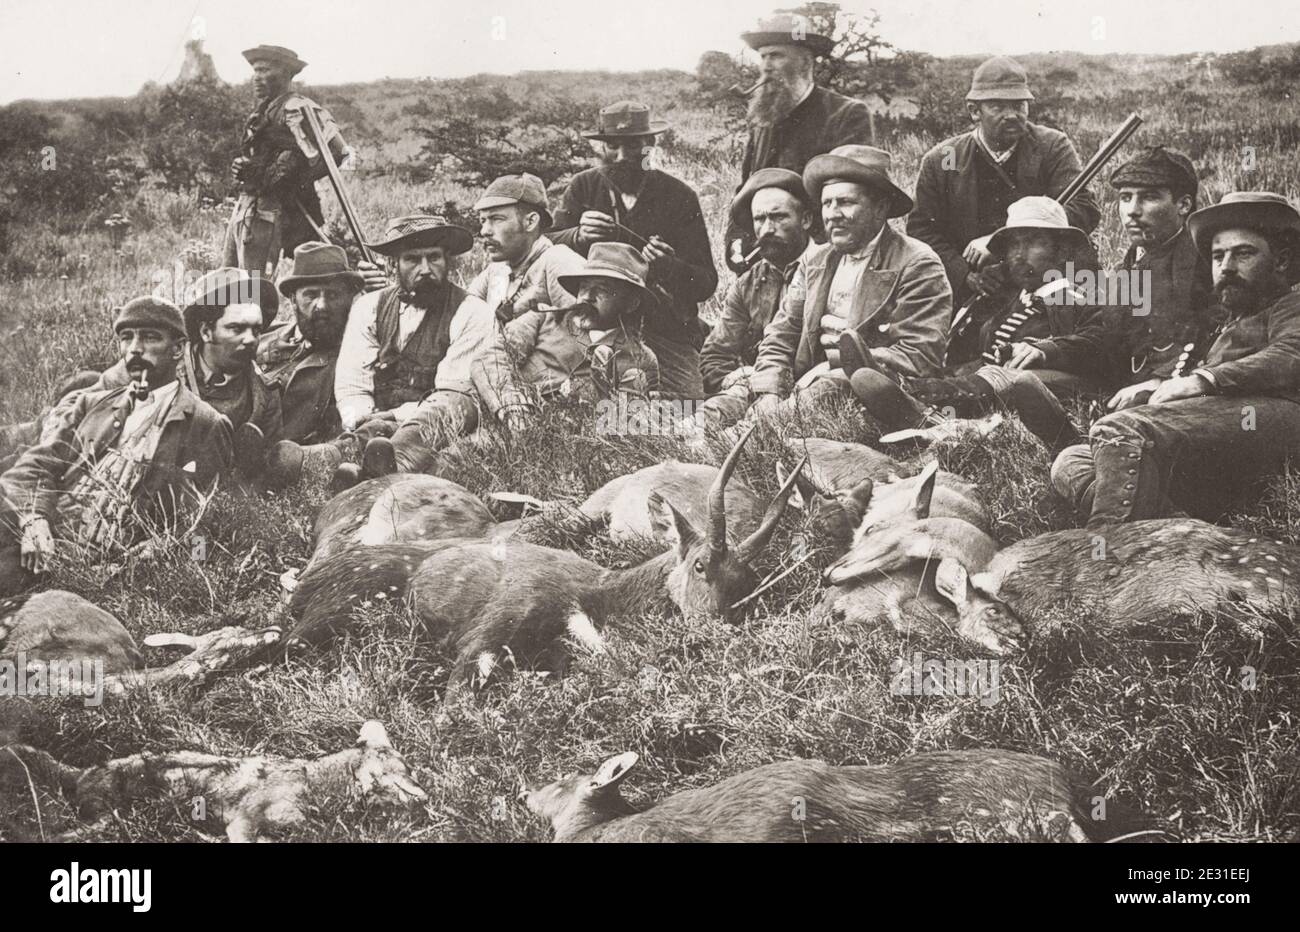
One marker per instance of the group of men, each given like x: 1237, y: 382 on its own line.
x: 976, y: 307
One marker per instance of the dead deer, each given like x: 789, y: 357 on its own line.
x: 56, y: 626
x: 250, y: 796
x: 1127, y: 576
x: 986, y: 794
x: 482, y: 598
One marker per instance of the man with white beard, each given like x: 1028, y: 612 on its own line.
x: 791, y: 119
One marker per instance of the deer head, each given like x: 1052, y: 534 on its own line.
x: 833, y: 516
x: 580, y: 801
x: 981, y: 616
x: 709, y: 576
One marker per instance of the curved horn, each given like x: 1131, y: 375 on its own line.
x: 771, y: 518
x: 718, y: 499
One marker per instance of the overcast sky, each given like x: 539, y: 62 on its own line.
x: 86, y: 48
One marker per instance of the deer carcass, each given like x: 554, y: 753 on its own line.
x: 56, y: 626
x: 985, y: 794
x: 252, y: 796
x: 481, y: 598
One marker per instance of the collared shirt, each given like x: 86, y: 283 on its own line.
x: 1139, y: 252
x: 1000, y: 157
x: 472, y: 324
x: 209, y: 377
x: 534, y: 281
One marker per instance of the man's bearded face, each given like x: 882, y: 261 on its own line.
x: 785, y: 76
x: 422, y: 273
x: 1247, y: 273
x: 625, y: 161
x: 269, y: 79
x: 780, y: 225
x: 322, y: 313
x: 1030, y: 254
x: 1002, y: 122
x: 151, y: 352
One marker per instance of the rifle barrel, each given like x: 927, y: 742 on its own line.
x: 336, y: 181
x: 1100, y: 158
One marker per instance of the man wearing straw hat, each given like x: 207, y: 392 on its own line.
x: 967, y: 182
x: 1202, y: 437
x: 403, y: 371
x: 885, y: 289
x: 624, y: 200
x: 791, y: 118
x: 277, y: 166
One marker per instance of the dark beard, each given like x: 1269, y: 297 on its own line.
x: 771, y: 103
x: 1241, y: 297
x: 425, y: 295
x: 624, y: 176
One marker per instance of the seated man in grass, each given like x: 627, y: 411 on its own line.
x: 115, y: 463
x: 591, y: 348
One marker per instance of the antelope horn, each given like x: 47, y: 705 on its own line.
x: 718, y: 499
x: 755, y: 542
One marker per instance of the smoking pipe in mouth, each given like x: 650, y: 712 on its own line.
x: 746, y: 91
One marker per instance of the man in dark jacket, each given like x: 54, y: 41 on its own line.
x: 791, y: 119
x: 967, y: 182
x: 116, y: 462
x: 278, y: 165
x: 623, y: 200
x: 1203, y: 436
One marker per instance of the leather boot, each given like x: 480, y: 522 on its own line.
x: 1128, y: 483
x: 891, y: 407
x: 1042, y: 414
x: 379, y: 458
x: 249, y: 450
x: 854, y: 353
x: 961, y: 396
x: 288, y: 461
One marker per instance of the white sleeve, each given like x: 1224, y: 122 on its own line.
x: 354, y: 380
x: 471, y: 333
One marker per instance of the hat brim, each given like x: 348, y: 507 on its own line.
x: 1077, y: 237
x: 656, y: 127
x: 815, y: 43
x: 572, y: 284
x: 454, y: 239
x: 826, y: 168
x: 294, y: 65
x: 487, y: 203
x: 1012, y: 92
x: 287, y: 286
x: 1208, y: 221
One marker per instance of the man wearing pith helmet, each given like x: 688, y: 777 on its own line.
x: 278, y: 165
x: 1203, y: 438
x: 967, y: 182
x: 791, y: 118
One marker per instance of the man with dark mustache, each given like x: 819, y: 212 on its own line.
x: 115, y: 463
x: 624, y: 200
x: 791, y: 118
x: 967, y: 182
x: 278, y: 165
x: 1203, y: 437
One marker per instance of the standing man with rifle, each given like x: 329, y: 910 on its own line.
x: 278, y: 165
x: 967, y: 182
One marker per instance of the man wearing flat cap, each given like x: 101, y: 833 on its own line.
x: 623, y: 200
x: 774, y: 205
x: 884, y: 289
x: 116, y: 462
x: 791, y: 118
x: 967, y: 182
x: 1201, y: 438
x: 300, y: 354
x: 402, y: 382
x: 277, y: 166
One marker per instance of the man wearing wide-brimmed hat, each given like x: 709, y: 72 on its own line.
x: 967, y: 182
x: 404, y: 367
x: 116, y: 462
x: 624, y: 200
x: 774, y: 205
x: 1205, y: 436
x: 278, y: 165
x: 301, y: 353
x: 886, y: 288
x: 791, y: 118
x: 1024, y: 344
x: 590, y: 348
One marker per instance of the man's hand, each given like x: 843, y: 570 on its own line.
x: 977, y: 252
x: 766, y: 405
x: 375, y: 277
x: 1187, y: 386
x: 37, y: 545
x: 1025, y: 356
x: 1133, y: 395
x: 656, y: 251
x: 596, y: 227
x: 737, y: 376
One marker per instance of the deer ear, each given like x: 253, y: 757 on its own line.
x: 374, y: 735
x: 671, y: 525
x: 612, y: 772
x: 661, y: 521
x: 925, y: 490
x: 860, y: 496
x: 951, y: 581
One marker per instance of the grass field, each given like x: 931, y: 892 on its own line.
x: 1166, y: 723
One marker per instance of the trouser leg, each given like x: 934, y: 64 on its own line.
x: 679, y: 367
x: 442, y: 417
x: 1024, y: 392
x: 724, y: 409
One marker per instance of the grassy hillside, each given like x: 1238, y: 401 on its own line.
x: 1164, y: 721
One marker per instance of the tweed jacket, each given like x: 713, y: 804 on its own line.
x: 1258, y: 354
x: 751, y: 303
x: 306, y: 377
